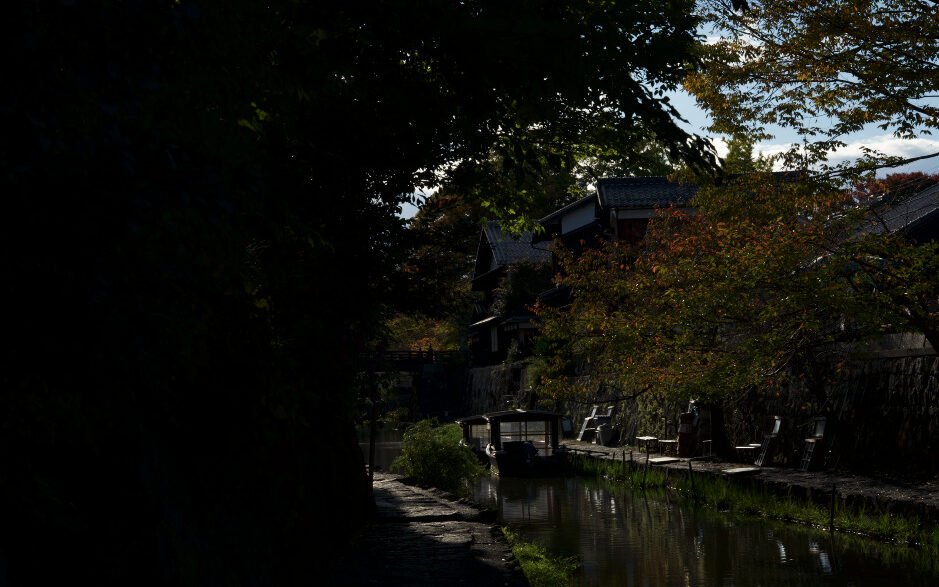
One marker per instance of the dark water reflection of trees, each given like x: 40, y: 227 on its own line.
x: 625, y: 539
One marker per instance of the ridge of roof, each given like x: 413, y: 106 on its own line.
x: 643, y: 192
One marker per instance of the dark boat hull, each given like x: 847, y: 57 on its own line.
x: 509, y: 464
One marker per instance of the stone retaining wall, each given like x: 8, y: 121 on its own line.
x: 881, y: 402
x: 888, y: 413
x: 882, y: 413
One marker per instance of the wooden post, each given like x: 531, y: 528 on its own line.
x: 373, y: 425
x: 694, y: 494
x: 831, y: 511
x: 645, y: 470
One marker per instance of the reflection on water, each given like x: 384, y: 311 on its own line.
x: 387, y: 445
x: 625, y: 539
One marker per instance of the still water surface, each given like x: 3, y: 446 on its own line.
x: 624, y: 538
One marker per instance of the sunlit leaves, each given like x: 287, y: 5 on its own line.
x: 824, y: 70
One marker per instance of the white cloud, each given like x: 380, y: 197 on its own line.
x: 885, y: 144
x: 889, y: 145
x: 721, y: 146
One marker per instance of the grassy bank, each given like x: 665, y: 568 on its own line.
x: 725, y: 495
x: 541, y: 568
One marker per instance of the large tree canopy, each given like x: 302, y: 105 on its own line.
x: 744, y: 294
x: 739, y: 296
x: 824, y: 70
x: 200, y: 230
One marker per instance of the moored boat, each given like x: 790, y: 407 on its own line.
x: 516, y: 443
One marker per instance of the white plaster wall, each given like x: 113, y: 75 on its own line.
x: 577, y: 217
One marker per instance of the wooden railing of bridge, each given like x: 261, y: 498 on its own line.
x: 409, y: 356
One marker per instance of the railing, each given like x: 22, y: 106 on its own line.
x: 403, y: 355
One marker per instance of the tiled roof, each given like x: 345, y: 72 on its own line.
x: 643, y: 192
x: 507, y: 250
x: 907, y: 214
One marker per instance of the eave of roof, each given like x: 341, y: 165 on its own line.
x: 908, y: 214
x: 557, y: 213
x: 484, y: 321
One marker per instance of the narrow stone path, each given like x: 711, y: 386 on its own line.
x: 427, y: 537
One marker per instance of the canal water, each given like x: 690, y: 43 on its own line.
x: 627, y: 538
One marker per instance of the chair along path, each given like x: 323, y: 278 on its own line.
x: 424, y: 536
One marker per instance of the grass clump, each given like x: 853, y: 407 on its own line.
x: 727, y: 496
x: 541, y: 568
x: 630, y: 474
x: 431, y: 453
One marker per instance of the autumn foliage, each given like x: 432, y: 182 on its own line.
x: 734, y: 294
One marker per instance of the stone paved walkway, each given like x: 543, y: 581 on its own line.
x: 427, y: 537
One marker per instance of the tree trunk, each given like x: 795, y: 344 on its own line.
x: 719, y: 444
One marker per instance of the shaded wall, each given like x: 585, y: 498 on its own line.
x: 496, y: 387
x: 881, y: 406
x: 888, y: 414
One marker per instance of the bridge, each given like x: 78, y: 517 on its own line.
x: 407, y: 360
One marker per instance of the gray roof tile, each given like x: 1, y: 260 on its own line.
x: 507, y: 250
x: 643, y: 192
x: 910, y: 212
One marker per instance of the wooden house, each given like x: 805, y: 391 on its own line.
x: 619, y: 210
x: 492, y: 331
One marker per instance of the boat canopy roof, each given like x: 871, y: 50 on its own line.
x: 470, y: 420
x: 510, y: 416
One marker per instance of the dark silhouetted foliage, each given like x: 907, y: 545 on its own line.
x: 199, y: 229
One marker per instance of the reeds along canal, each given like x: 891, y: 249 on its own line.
x: 626, y: 536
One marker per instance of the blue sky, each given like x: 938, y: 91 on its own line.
x: 697, y: 122
x: 872, y: 137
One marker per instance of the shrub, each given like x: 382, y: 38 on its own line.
x: 432, y: 454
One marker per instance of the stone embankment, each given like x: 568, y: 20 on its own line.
x: 428, y: 537
x: 874, y: 495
